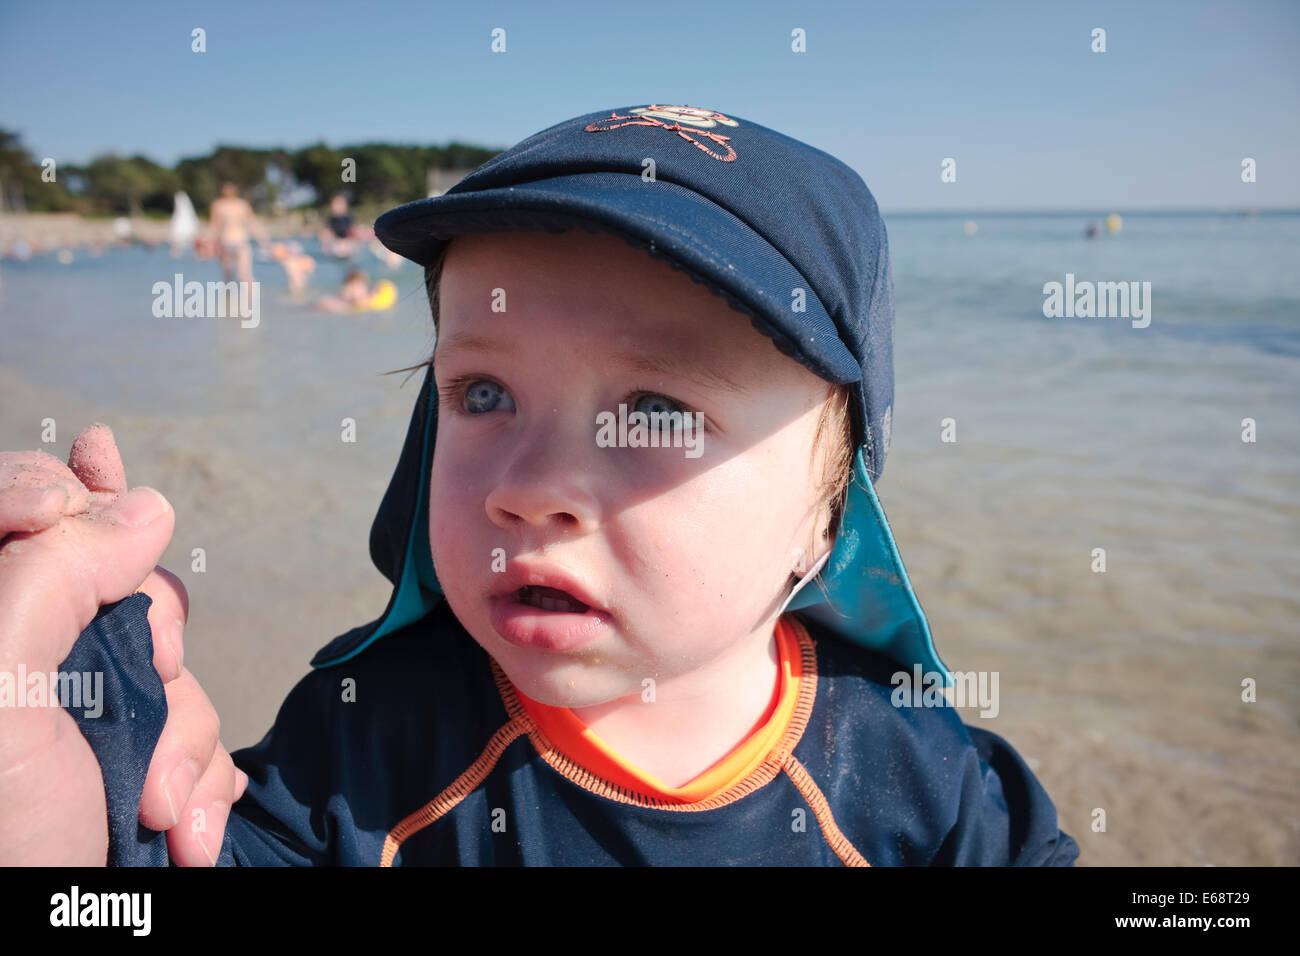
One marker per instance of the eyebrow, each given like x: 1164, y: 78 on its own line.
x: 676, y: 367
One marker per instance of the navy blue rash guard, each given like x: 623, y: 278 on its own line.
x: 406, y: 746
x: 334, y: 779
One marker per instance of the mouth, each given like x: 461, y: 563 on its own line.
x: 549, y: 599
x: 548, y: 618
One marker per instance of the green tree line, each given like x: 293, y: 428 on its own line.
x: 271, y: 179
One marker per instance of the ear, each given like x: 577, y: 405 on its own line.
x: 819, y: 541
x: 823, y: 541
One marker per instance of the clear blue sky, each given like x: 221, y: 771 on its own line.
x: 1011, y: 90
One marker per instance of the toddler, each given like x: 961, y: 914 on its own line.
x: 601, y: 649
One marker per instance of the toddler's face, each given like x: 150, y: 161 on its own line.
x: 684, y: 559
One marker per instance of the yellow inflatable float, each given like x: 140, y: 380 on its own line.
x: 383, y: 297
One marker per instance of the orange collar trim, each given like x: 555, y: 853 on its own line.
x: 562, y: 739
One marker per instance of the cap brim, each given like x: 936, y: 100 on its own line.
x: 671, y: 222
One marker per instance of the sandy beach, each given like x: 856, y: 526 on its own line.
x: 49, y: 231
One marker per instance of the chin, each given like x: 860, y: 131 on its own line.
x: 567, y: 683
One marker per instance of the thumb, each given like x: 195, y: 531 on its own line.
x: 95, y: 460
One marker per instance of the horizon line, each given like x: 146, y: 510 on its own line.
x: 1100, y: 211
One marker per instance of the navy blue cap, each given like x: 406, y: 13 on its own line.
x: 786, y: 233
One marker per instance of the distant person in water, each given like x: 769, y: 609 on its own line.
x: 297, y: 264
x: 340, y: 222
x: 231, y: 222
x: 337, y: 238
x: 354, y: 292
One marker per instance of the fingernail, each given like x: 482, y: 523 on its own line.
x: 58, y: 490
x: 180, y: 785
x: 218, y: 816
x: 138, y: 507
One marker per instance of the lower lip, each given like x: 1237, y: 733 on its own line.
x: 527, y: 626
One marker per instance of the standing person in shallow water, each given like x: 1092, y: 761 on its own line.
x: 231, y: 222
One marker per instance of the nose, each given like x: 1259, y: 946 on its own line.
x: 551, y: 480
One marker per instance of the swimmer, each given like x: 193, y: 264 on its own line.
x: 340, y: 223
x: 337, y: 236
x: 231, y: 219
x: 297, y: 264
x: 355, y: 291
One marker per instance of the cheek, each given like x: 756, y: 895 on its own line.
x: 455, y: 502
x: 715, y: 545
x: 765, y: 510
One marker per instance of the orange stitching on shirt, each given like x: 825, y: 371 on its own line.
x: 822, y: 811
x: 780, y: 758
x: 459, y: 789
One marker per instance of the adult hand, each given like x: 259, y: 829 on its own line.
x: 72, y: 538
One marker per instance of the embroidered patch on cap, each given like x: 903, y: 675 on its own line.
x: 689, y: 122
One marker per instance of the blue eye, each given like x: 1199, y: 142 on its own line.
x: 670, y: 406
x: 666, y: 405
x: 483, y: 396
x: 474, y: 396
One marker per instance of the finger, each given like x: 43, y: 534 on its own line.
x: 96, y: 461
x: 184, y: 750
x: 33, y: 508
x: 53, y: 582
x: 241, y: 783
x: 167, y: 616
x: 197, y: 840
x: 36, y: 490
